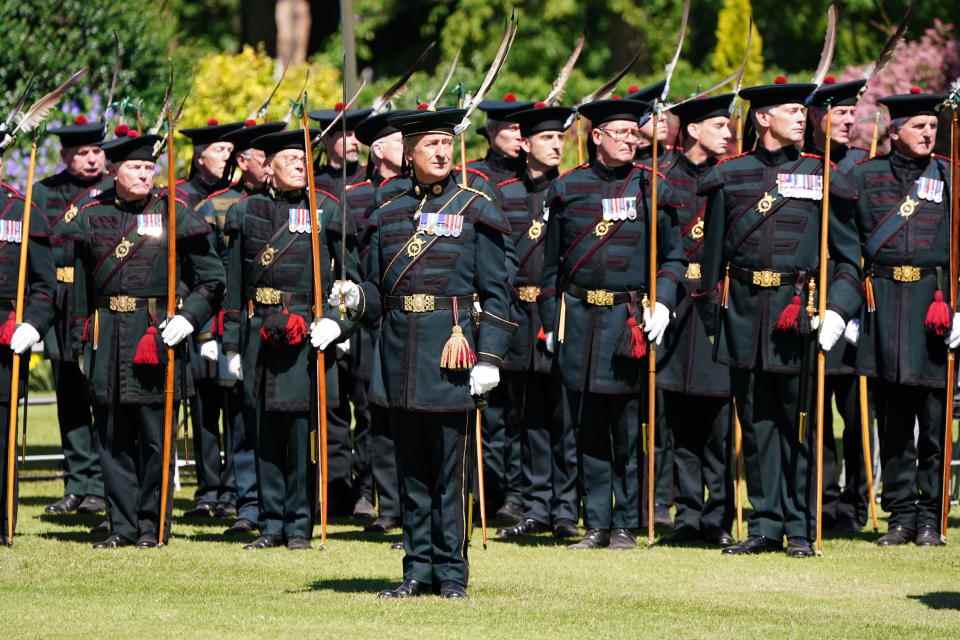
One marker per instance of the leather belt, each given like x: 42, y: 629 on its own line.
x: 426, y: 302
x: 129, y: 304
x: 602, y: 297
x: 763, y: 278
x: 900, y: 273
x: 65, y: 275
x: 528, y: 293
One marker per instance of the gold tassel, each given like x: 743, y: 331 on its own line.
x: 96, y: 329
x: 561, y: 326
x: 457, y: 354
x: 725, y: 291
x: 811, y: 297
x: 868, y: 292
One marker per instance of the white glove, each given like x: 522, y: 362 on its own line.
x: 831, y: 329
x: 953, y: 340
x: 23, y: 338
x: 483, y: 377
x: 548, y: 342
x: 175, y: 330
x: 343, y: 348
x: 323, y: 332
x: 210, y: 350
x: 655, y: 324
x: 235, y: 365
x: 350, y: 292
x: 852, y: 331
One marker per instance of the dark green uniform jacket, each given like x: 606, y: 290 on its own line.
x: 258, y: 287
x: 58, y: 196
x: 331, y: 180
x: 123, y: 288
x: 585, y: 254
x: 894, y: 345
x: 685, y: 359
x: 466, y: 262
x: 766, y: 237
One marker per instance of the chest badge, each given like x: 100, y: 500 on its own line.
x: 535, y: 230
x: 765, y: 204
x: 71, y: 214
x: 602, y: 228
x: 697, y: 232
x: 415, y: 246
x: 908, y: 207
x: 268, y: 256
x: 123, y: 249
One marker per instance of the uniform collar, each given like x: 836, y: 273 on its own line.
x: 131, y: 206
x: 292, y: 196
x: 610, y: 174
x: 906, y: 168
x: 432, y: 190
x: 692, y: 169
x: 837, y: 151
x: 81, y: 182
x: 778, y: 157
x: 501, y: 163
x: 539, y: 184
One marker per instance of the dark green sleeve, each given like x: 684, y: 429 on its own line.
x: 233, y: 301
x: 712, y: 261
x: 41, y: 275
x: 492, y: 281
x: 371, y: 304
x: 549, y: 281
x: 845, y: 293
x: 342, y: 262
x: 200, y: 267
x: 671, y: 259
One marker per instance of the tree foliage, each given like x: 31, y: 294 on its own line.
x: 732, y: 23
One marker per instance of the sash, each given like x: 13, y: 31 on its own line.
x: 765, y: 208
x: 278, y: 244
x: 898, y: 217
x: 694, y: 229
x: 532, y: 238
x: 110, y: 264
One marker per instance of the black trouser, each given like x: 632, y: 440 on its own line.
x: 383, y: 463
x: 363, y: 438
x: 340, y: 491
x: 851, y: 501
x: 503, y: 474
x: 701, y: 429
x: 549, y: 449
x: 666, y: 488
x: 608, y: 433
x: 81, y: 464
x: 131, y: 454
x: 4, y: 421
x: 432, y: 450
x: 777, y: 463
x: 286, y: 474
x: 215, y: 481
x: 911, y: 472
x: 243, y: 458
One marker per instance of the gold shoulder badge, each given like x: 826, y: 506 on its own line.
x: 415, y: 246
x: 71, y: 214
x: 697, y: 232
x: 268, y: 256
x: 908, y: 207
x: 765, y: 204
x: 602, y: 228
x: 535, y: 230
x: 123, y: 249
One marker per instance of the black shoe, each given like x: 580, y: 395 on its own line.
x: 264, y: 542
x: 622, y: 540
x: 718, y: 536
x: 527, y: 527
x: 382, y: 524
x: 754, y: 545
x: 364, y: 510
x: 452, y: 591
x: 798, y: 547
x: 92, y: 504
x: 102, y: 529
x: 928, y: 536
x: 682, y: 535
x: 661, y: 516
x: 406, y: 589
x: 225, y: 511
x: 147, y: 541
x: 594, y: 539
x: 298, y: 544
x: 509, y: 515
x: 202, y: 510
x: 897, y: 536
x: 241, y: 527
x: 397, y: 546
x: 112, y: 542
x: 4, y: 542
x: 563, y: 529
x: 66, y: 504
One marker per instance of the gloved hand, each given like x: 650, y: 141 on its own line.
x: 175, y: 330
x: 343, y: 348
x: 24, y: 337
x: 323, y: 332
x: 210, y: 350
x: 852, y: 332
x: 234, y: 365
x: 655, y: 323
x: 350, y: 292
x: 953, y: 340
x: 483, y: 377
x: 548, y: 342
x: 830, y: 329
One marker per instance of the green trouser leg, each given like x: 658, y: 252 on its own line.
x: 81, y: 464
x: 383, y: 463
x: 286, y: 475
x: 205, y: 409
x: 665, y: 488
x: 851, y: 501
x: 4, y: 421
x: 432, y: 451
x: 777, y: 464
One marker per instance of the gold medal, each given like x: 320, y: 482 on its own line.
x: 697, y: 232
x: 415, y: 246
x: 602, y: 228
x: 535, y: 230
x: 70, y: 214
x: 765, y: 204
x: 268, y: 256
x: 123, y: 249
x: 908, y: 207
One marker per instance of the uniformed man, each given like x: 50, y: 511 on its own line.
x: 666, y: 153
x: 761, y: 253
x: 240, y: 472
x: 595, y: 314
x: 845, y: 511
x: 434, y: 250
x: 696, y: 390
x: 376, y: 461
x: 903, y: 216
x: 267, y: 326
x: 120, y: 330
x: 55, y: 196
x: 211, y: 170
x: 339, y: 149
x: 549, y: 449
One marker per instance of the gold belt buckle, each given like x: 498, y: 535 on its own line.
x: 419, y: 303
x: 268, y: 295
x: 123, y: 304
x: 600, y: 297
x: 693, y: 271
x: 766, y: 278
x: 528, y: 294
x: 906, y: 273
x: 65, y: 275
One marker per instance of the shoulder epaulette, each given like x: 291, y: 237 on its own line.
x: 13, y: 190
x: 741, y: 155
x: 868, y: 159
x: 815, y: 156
x: 358, y: 184
x: 216, y: 193
x: 179, y: 201
x: 504, y: 183
x: 475, y: 172
x: 328, y: 194
x: 576, y: 168
x: 940, y: 156
x: 649, y: 169
x: 390, y: 179
x: 480, y: 193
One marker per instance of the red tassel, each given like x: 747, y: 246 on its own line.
x: 9, y: 326
x: 147, y: 348
x: 216, y: 327
x: 541, y: 335
x: 789, y: 319
x: 938, y: 315
x: 296, y: 329
x: 638, y: 340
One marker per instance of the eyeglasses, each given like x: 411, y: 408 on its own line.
x: 620, y: 135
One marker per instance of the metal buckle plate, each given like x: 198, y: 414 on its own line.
x: 528, y: 294
x: 693, y: 271
x: 268, y: 295
x: 766, y: 278
x: 906, y: 273
x: 419, y: 303
x: 123, y: 304
x: 600, y: 297
x: 65, y: 275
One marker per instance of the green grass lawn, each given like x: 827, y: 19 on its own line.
x: 52, y: 585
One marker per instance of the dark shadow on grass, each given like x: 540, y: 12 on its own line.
x: 360, y: 535
x: 939, y: 599
x: 37, y: 500
x: 354, y: 585
x: 88, y: 520
x: 867, y: 535
x: 70, y: 536
x: 526, y: 541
